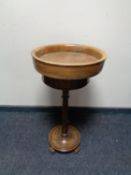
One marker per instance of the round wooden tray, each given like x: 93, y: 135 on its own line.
x: 68, y: 61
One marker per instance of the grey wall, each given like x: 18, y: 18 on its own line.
x: 25, y: 25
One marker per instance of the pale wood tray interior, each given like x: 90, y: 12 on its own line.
x: 68, y: 58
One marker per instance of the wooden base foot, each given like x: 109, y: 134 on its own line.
x: 77, y: 149
x: 52, y: 150
x: 61, y: 143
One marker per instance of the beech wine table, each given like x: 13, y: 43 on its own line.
x: 67, y: 67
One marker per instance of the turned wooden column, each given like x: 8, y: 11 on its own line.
x: 65, y: 96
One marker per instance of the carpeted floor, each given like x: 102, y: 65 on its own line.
x: 105, y: 143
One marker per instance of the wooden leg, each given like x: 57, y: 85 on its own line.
x: 65, y: 97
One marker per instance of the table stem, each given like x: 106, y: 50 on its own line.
x: 65, y: 96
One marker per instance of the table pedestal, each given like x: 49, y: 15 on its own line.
x: 64, y: 137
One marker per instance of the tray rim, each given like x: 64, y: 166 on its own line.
x: 103, y: 58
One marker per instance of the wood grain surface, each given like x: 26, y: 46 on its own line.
x: 68, y: 61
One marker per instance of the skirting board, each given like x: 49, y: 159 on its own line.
x: 57, y: 109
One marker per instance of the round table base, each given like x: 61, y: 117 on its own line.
x: 64, y: 143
